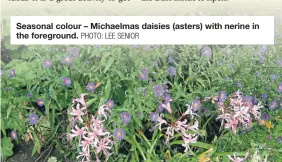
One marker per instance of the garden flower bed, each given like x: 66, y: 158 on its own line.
x: 142, y: 103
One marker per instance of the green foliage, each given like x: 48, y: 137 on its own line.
x: 115, y: 69
x: 6, y: 147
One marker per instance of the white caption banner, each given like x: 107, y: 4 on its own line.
x: 118, y: 30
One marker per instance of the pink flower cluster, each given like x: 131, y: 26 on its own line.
x: 91, y: 133
x: 180, y: 126
x: 239, y: 112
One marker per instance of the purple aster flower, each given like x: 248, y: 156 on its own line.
x: 33, y: 118
x: 158, y: 90
x: 165, y: 85
x: 264, y: 96
x: 2, y: 72
x: 134, y: 46
x: 29, y: 95
x: 266, y: 116
x: 167, y: 98
x: 206, y: 112
x: 154, y: 116
x: 257, y: 74
x: 262, y: 59
x: 273, y: 105
x: 206, y: 51
x: 13, y: 135
x: 274, y: 77
x: 47, y: 63
x: 268, y: 137
x: 146, y: 47
x: 247, y: 99
x: 66, y: 81
x: 91, y: 87
x: 171, y: 71
x: 238, y: 84
x: 73, y: 51
x: 196, y: 105
x: 110, y: 104
x: 157, y: 46
x: 145, y: 71
x: 227, y: 78
x: 222, y: 95
x: 9, y: 89
x: 67, y: 60
x: 144, y: 74
x: 160, y: 108
x: 279, y: 88
x: 255, y: 100
x: 155, y: 63
x: 119, y: 134
x: 170, y: 59
x: 278, y: 140
x: 12, y: 73
x: 125, y: 117
x: 263, y: 48
x: 40, y: 102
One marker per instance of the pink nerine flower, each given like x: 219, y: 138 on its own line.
x: 190, y: 112
x: 104, y: 111
x: 104, y: 146
x: 84, y: 155
x: 78, y: 112
x: 166, y: 106
x: 160, y: 122
x: 232, y: 124
x: 77, y: 132
x: 238, y: 159
x: 81, y: 100
x: 190, y: 138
